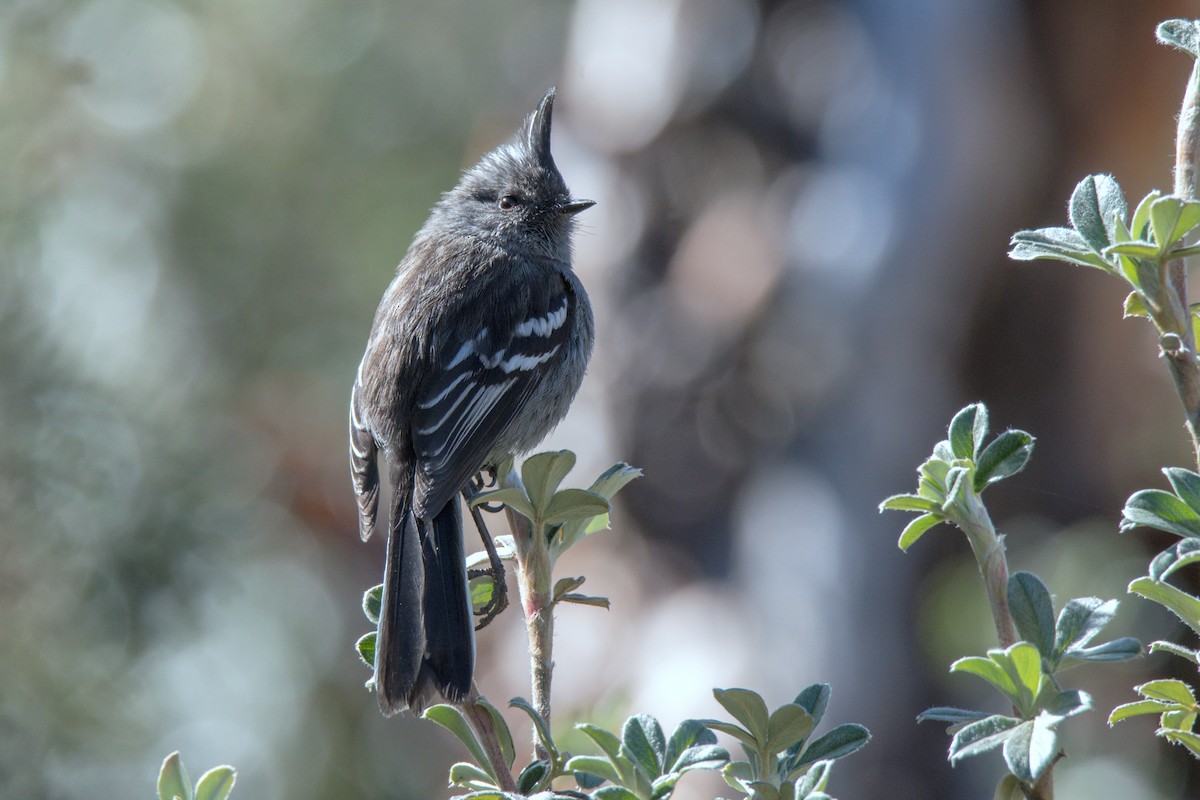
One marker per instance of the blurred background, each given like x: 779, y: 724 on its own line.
x: 798, y: 265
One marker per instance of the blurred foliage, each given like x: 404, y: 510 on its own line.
x: 200, y: 203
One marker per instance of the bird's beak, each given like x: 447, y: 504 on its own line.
x: 573, y: 207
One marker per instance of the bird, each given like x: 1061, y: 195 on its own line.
x: 477, y: 350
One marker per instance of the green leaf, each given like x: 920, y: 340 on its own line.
x: 990, y: 671
x: 1032, y: 611
x: 1139, y: 225
x: 701, y: 756
x: 216, y: 784
x: 1135, y: 306
x: 747, y: 708
x: 1178, y: 719
x: 608, y: 743
x: 1067, y: 703
x: 1186, y: 738
x: 1172, y: 218
x: 372, y: 601
x: 1137, y: 708
x: 503, y: 734
x: 1023, y: 663
x: 788, y: 725
x: 1175, y: 650
x: 1186, y: 485
x: 594, y: 765
x: 815, y: 699
x: 512, y: 497
x: 574, y: 504
x: 1133, y: 249
x: 540, y: 727
x: 1180, y: 603
x: 954, y: 716
x: 542, y: 473
x: 1031, y: 748
x: 645, y: 743
x: 741, y: 734
x: 1154, y: 508
x: 607, y: 485
x: 1060, y: 244
x: 470, y: 776
x: 690, y: 734
x: 967, y: 430
x: 1168, y: 691
x: 1122, y: 649
x: 1095, y: 201
x: 838, y: 743
x: 586, y: 600
x: 366, y: 649
x: 173, y: 780
x: 1181, y: 34
x: 483, y: 588
x: 979, y: 737
x: 533, y: 777
x: 815, y: 780
x: 1006, y: 455
x: 909, y: 502
x: 1080, y: 621
x: 452, y: 720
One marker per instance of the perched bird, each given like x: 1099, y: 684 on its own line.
x: 477, y: 350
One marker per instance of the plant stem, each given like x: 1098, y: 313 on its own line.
x: 481, y: 721
x: 993, y: 566
x: 534, y: 584
x: 1181, y: 359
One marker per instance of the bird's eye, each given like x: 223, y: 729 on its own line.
x: 508, y: 202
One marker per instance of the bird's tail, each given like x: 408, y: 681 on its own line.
x: 426, y: 641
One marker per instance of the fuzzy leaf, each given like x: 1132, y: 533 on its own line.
x: 1006, y: 455
x: 839, y: 742
x: 1032, y: 611
x: 533, y: 776
x: 372, y: 601
x: 173, y: 780
x: 594, y: 765
x: 452, y: 720
x: 1154, y: 508
x: 915, y: 529
x: 540, y: 727
x: 1182, y: 34
x: 1168, y: 691
x: 1186, y: 485
x: 979, y: 737
x: 789, y: 724
x: 1079, y: 622
x: 967, y: 430
x: 1095, y: 201
x: 1172, y: 218
x: 909, y: 502
x: 815, y: 699
x: 216, y: 784
x: 1175, y: 557
x: 1136, y: 708
x: 366, y: 649
x: 1188, y: 739
x: 1060, y: 244
x: 748, y: 709
x: 574, y: 504
x: 542, y: 474
x: 469, y: 776
x: 645, y: 743
x: 511, y: 496
x: 690, y: 734
x: 1180, y: 603
x: 1175, y: 650
x: 954, y: 716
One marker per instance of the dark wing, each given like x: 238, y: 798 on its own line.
x: 479, y: 382
x: 364, y: 467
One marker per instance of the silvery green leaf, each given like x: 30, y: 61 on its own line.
x: 1180, y: 603
x: 1181, y: 34
x: 173, y: 780
x: 366, y: 649
x: 1032, y: 611
x: 216, y: 784
x: 542, y: 474
x: 1060, y: 244
x: 372, y: 601
x: 1007, y: 455
x: 979, y: 737
x: 747, y: 708
x: 1154, y: 508
x: 1096, y: 199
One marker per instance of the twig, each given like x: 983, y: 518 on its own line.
x: 534, y: 584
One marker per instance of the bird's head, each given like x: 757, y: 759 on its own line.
x: 516, y: 194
